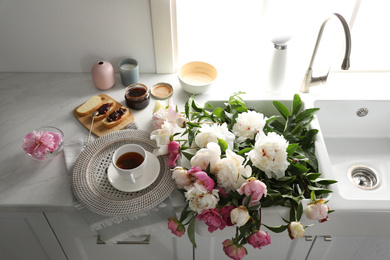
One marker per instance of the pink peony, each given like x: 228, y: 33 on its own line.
x: 205, y: 180
x: 317, y: 211
x: 201, y: 177
x: 213, y: 219
x: 259, y: 239
x: 232, y: 250
x: 37, y: 144
x: 174, y: 153
x: 176, y: 226
x: 254, y: 188
x: 194, y: 170
x: 225, y: 212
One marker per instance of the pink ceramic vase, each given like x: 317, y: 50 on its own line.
x: 103, y: 75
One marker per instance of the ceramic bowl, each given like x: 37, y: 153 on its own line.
x: 196, y: 77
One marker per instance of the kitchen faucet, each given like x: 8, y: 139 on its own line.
x: 309, y: 80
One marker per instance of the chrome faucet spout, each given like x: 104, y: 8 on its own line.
x: 309, y: 80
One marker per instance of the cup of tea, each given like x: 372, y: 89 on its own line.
x: 129, y: 160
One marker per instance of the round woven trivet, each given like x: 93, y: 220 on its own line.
x: 91, y: 186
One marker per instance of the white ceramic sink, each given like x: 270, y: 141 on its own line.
x: 361, y: 141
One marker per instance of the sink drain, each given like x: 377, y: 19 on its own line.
x: 363, y: 177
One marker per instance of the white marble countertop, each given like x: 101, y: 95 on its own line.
x: 31, y: 100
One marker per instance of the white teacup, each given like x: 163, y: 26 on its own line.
x: 129, y: 161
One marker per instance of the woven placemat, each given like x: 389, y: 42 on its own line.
x: 91, y: 186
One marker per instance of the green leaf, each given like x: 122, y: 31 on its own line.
x: 220, y: 113
x: 187, y: 155
x: 291, y: 149
x: 196, y: 107
x: 191, y: 231
x: 245, y: 150
x: 187, y: 107
x: 324, y: 181
x: 306, y: 115
x: 208, y: 106
x: 193, y: 124
x: 282, y: 109
x: 277, y: 229
x: 299, y: 211
x: 223, y: 145
x: 184, y: 213
x: 296, y: 104
x: 313, y: 175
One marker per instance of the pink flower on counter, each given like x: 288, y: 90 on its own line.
x: 37, y: 144
x: 296, y: 230
x: 174, y: 153
x: 232, y: 250
x: 254, y: 188
x: 317, y: 211
x: 213, y: 219
x: 176, y: 226
x: 225, y: 212
x: 259, y: 239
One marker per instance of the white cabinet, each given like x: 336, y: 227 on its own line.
x: 80, y: 243
x: 27, y: 236
x: 350, y: 247
x: 210, y: 248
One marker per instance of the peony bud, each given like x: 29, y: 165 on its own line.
x: 296, y: 230
x: 239, y: 216
x: 259, y: 239
x: 181, y: 177
x: 181, y: 121
x: 176, y: 226
x: 232, y: 250
x: 317, y: 211
x: 158, y: 105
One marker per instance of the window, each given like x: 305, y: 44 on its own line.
x: 235, y: 35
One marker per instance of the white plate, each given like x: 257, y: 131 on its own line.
x: 152, y: 170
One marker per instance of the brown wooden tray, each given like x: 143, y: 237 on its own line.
x: 98, y: 128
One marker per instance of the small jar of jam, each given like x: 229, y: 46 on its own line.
x: 137, y: 96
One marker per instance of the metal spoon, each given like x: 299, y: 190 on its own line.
x: 95, y: 113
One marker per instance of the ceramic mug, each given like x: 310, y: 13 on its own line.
x: 129, y: 160
x: 129, y: 71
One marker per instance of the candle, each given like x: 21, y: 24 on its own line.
x: 128, y: 66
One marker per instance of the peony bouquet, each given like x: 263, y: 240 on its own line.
x: 240, y: 161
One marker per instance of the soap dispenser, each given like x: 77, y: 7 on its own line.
x: 278, y: 65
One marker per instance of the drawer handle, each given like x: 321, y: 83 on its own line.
x: 146, y: 241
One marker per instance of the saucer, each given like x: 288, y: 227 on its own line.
x: 148, y: 177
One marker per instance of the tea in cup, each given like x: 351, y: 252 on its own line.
x: 129, y: 161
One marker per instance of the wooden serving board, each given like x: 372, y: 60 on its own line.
x: 98, y: 128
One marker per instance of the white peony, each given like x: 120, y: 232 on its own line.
x: 211, y: 133
x: 296, y: 230
x: 205, y: 156
x: 200, y: 199
x: 161, y: 136
x: 270, y: 155
x: 247, y: 125
x: 239, y: 216
x: 182, y: 179
x: 230, y: 171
